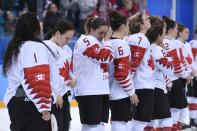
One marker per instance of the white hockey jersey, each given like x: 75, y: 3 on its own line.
x: 194, y: 51
x: 121, y: 83
x: 32, y: 71
x: 88, y: 56
x: 183, y: 54
x: 173, y: 51
x: 62, y: 67
x: 163, y: 66
x: 141, y: 61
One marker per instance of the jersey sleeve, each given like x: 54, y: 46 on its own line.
x: 36, y: 84
x: 167, y: 81
x: 184, y: 61
x: 178, y: 66
x: 96, y: 53
x: 194, y: 53
x: 122, y: 68
x: 162, y: 60
x: 138, y: 50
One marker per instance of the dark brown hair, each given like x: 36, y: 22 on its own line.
x: 135, y: 23
x: 27, y: 28
x: 116, y: 20
x: 94, y: 23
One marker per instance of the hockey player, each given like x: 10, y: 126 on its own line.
x: 176, y: 96
x: 92, y: 88
x: 161, y: 118
x: 122, y: 95
x: 192, y: 91
x: 142, y: 70
x: 185, y: 47
x: 60, y: 35
x: 26, y: 65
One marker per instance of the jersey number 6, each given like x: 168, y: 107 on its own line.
x: 120, y: 50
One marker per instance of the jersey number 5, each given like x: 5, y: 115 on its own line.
x: 86, y: 41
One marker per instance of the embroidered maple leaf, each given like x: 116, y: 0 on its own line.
x: 165, y: 62
x: 64, y: 71
x: 150, y: 63
x: 104, y: 66
x: 189, y: 59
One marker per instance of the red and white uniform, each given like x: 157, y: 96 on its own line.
x: 88, y: 56
x: 62, y: 67
x: 163, y: 66
x: 32, y: 71
x: 141, y: 61
x: 121, y: 83
x: 194, y: 51
x: 184, y: 55
x: 173, y: 51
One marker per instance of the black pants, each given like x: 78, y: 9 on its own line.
x: 121, y: 110
x: 161, y: 107
x: 25, y: 117
x: 143, y: 111
x: 62, y: 115
x: 177, y: 95
x: 93, y: 109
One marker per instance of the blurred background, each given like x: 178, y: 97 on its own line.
x: 49, y: 11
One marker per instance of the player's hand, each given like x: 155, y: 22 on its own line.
x: 188, y: 79
x: 72, y: 82
x: 59, y: 102
x: 134, y: 100
x: 193, y: 73
x: 169, y: 85
x: 46, y: 115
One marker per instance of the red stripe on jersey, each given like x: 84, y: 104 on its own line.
x: 43, y: 100
x: 124, y: 82
x: 95, y: 52
x: 65, y: 72
x: 192, y: 106
x: 165, y: 62
x: 174, y: 55
x: 39, y: 82
x: 121, y: 68
x: 126, y: 87
x: 129, y: 90
x: 151, y: 63
x: 181, y: 55
x: 44, y: 106
x: 194, y: 52
x: 137, y: 54
x: 189, y: 59
x: 104, y: 66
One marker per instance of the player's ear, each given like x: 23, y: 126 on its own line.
x: 57, y: 33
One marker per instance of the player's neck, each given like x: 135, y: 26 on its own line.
x: 143, y: 31
x: 119, y: 35
x: 53, y: 39
x: 169, y: 37
x: 181, y: 39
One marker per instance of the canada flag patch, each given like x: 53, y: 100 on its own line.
x: 40, y: 77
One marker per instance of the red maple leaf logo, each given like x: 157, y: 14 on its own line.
x: 189, y: 59
x: 64, y: 71
x: 150, y: 63
x: 104, y: 66
x: 165, y: 62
